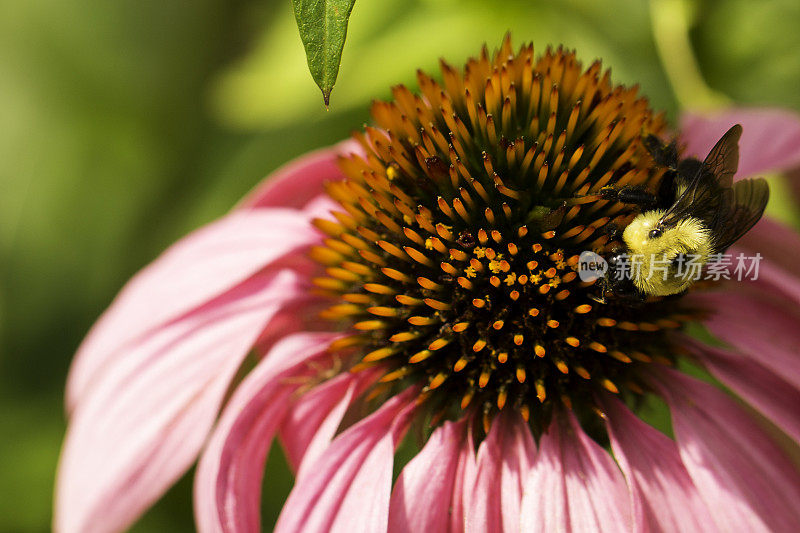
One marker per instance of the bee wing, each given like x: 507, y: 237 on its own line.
x: 723, y: 160
x: 701, y: 195
x: 747, y: 201
x: 714, y: 175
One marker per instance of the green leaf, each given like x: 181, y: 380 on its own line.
x: 323, y: 27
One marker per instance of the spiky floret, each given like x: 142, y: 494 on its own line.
x: 454, y: 257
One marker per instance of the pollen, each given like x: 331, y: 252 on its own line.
x: 452, y: 256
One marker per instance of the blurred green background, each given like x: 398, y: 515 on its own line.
x: 125, y: 124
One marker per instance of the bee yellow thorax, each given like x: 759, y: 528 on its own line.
x: 652, y: 276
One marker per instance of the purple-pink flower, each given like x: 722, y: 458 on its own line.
x: 552, y: 444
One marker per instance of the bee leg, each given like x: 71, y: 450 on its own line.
x: 601, y: 299
x: 609, y: 192
x: 665, y: 155
x: 631, y: 295
x: 624, y: 290
x: 616, y: 250
x: 612, y: 230
x: 638, y: 196
x: 630, y: 194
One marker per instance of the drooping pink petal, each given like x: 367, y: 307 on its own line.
x: 422, y: 500
x: 575, y: 485
x: 313, y: 419
x: 463, y: 483
x: 762, y: 326
x: 140, y: 428
x: 229, y: 477
x: 196, y: 269
x: 773, y: 280
x: 321, y: 206
x: 299, y: 314
x: 772, y: 239
x: 780, y: 281
x: 743, y: 476
x: 348, y: 488
x: 297, y: 182
x: 777, y: 272
x: 503, y: 463
x: 658, y: 481
x: 770, y: 137
x: 760, y: 387
x: 793, y: 177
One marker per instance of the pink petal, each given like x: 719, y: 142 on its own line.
x: 348, y: 488
x: 463, y: 483
x: 660, y: 485
x: 229, y: 477
x: 504, y: 461
x: 793, y: 177
x: 763, y: 389
x: 197, y: 269
x: 313, y: 420
x: 574, y: 485
x: 762, y: 326
x: 778, y: 272
x: 299, y: 314
x: 770, y: 138
x: 772, y: 239
x: 422, y: 499
x: 780, y: 282
x: 321, y: 206
x: 739, y: 471
x: 139, y: 429
x: 297, y: 182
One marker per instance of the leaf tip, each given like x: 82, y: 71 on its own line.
x: 326, y: 97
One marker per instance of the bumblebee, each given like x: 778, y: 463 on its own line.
x: 697, y: 212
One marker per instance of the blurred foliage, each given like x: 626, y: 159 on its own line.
x: 389, y: 40
x: 126, y: 124
x: 751, y: 52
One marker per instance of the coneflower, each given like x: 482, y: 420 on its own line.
x: 443, y: 261
x: 455, y: 252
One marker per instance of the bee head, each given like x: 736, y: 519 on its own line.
x: 645, y: 236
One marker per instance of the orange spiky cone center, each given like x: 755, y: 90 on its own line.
x: 454, y: 255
